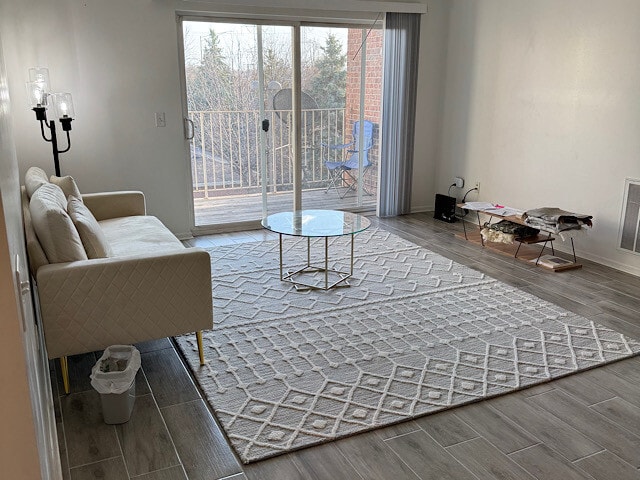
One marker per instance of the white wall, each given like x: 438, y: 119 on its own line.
x: 429, y: 107
x: 120, y: 61
x: 18, y: 441
x: 28, y: 447
x: 541, y: 107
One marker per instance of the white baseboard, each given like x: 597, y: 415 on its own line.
x: 607, y: 262
x: 422, y: 208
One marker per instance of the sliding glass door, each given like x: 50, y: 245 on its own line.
x: 232, y: 134
x: 342, y: 75
x: 240, y: 81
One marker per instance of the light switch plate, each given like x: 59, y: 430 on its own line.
x: 160, y: 120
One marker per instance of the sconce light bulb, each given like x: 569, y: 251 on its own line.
x: 63, y: 105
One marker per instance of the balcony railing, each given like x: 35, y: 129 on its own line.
x: 225, y: 150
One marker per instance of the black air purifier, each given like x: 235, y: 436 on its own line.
x: 445, y: 208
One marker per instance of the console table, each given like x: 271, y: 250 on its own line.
x: 550, y: 262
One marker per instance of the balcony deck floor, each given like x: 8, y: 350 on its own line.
x: 247, y: 208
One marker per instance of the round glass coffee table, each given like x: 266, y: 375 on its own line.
x: 316, y: 224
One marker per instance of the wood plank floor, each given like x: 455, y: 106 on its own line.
x: 585, y: 426
x: 247, y: 208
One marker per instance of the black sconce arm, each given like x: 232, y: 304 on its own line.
x: 68, y: 144
x: 42, y: 122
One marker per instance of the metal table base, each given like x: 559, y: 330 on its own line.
x: 290, y: 276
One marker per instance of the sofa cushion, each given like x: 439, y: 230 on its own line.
x: 37, y: 257
x: 68, y: 186
x: 53, y: 226
x: 34, y: 178
x: 137, y: 235
x: 93, y: 240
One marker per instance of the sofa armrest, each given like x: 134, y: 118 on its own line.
x: 105, y: 205
x: 91, y: 304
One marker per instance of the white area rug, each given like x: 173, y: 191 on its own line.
x: 416, y: 333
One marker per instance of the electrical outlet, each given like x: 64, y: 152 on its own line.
x: 458, y: 181
x: 477, y: 187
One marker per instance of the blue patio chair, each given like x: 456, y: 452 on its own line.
x: 345, y: 174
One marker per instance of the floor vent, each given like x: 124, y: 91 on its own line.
x: 629, y: 223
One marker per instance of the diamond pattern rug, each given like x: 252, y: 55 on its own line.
x: 416, y: 333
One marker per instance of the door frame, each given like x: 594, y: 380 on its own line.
x: 297, y: 85
x: 226, y: 227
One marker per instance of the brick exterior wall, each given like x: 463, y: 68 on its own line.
x: 373, y: 91
x: 373, y: 87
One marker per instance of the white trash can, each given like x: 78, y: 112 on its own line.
x: 114, y: 378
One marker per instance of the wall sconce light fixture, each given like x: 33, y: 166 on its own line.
x: 61, y: 105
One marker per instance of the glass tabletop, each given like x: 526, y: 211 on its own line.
x: 316, y: 223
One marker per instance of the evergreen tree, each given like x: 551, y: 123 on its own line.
x: 210, y: 85
x: 329, y: 84
x: 276, y: 67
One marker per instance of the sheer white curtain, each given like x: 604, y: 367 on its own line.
x: 401, y: 41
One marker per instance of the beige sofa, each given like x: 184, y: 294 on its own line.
x: 111, y: 276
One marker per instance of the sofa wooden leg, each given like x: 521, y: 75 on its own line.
x: 200, y: 349
x: 64, y: 366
